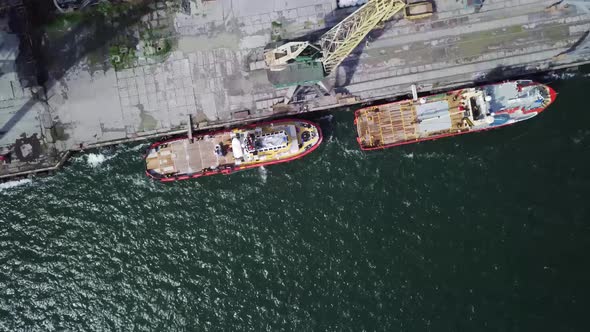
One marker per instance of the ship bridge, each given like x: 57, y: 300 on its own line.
x: 259, y: 144
x: 271, y: 141
x: 524, y: 95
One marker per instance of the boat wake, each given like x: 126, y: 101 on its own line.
x: 346, y: 149
x: 138, y: 147
x: 565, y: 75
x: 580, y: 136
x: 263, y: 173
x: 327, y: 118
x: 12, y: 184
x: 428, y: 155
x: 95, y: 159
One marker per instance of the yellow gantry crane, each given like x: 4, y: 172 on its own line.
x: 297, y: 63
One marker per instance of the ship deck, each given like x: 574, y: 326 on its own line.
x: 185, y: 157
x: 408, y: 120
x: 234, y: 149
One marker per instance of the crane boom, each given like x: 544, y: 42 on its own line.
x: 342, y: 39
x: 301, y: 62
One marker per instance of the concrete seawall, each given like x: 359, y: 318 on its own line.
x: 211, y: 72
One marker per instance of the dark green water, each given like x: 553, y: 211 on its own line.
x: 484, y: 232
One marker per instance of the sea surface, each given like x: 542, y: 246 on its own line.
x: 482, y: 232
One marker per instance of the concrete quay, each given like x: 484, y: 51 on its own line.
x: 211, y: 72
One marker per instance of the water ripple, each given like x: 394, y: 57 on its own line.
x: 425, y: 237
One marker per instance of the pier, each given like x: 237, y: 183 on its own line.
x: 155, y: 68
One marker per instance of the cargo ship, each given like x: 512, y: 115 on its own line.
x: 452, y: 113
x: 229, y: 150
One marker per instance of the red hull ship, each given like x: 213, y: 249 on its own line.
x: 448, y: 114
x: 230, y: 150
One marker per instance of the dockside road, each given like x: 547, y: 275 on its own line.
x: 209, y: 69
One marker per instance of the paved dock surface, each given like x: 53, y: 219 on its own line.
x: 212, y: 73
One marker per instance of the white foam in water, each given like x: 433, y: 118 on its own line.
x: 561, y: 75
x: 263, y: 173
x: 12, y: 184
x: 94, y: 159
x: 328, y: 117
x: 139, y: 147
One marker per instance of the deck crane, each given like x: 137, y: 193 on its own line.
x: 302, y: 62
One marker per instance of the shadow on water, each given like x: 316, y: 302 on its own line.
x: 48, y: 60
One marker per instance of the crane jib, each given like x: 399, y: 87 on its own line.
x: 342, y: 39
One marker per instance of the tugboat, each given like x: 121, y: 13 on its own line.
x: 453, y: 113
x: 230, y: 150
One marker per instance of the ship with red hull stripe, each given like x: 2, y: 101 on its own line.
x: 230, y: 150
x: 452, y: 113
